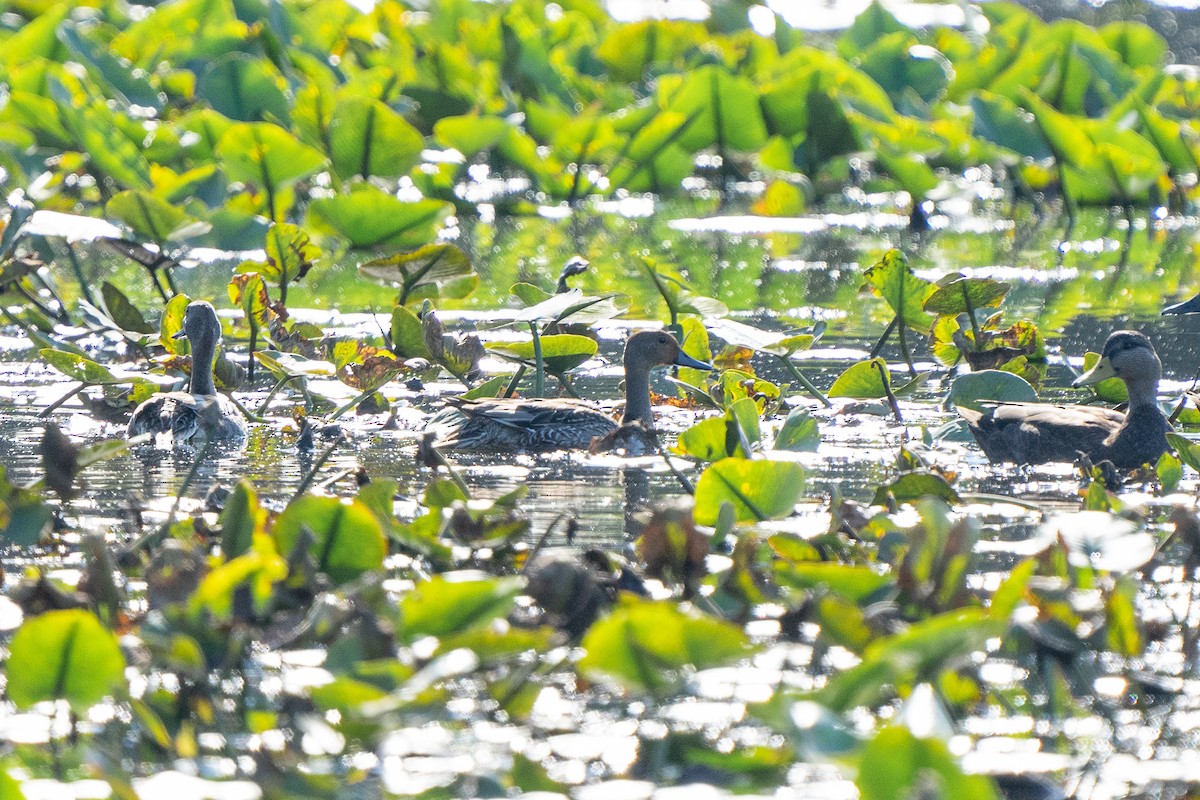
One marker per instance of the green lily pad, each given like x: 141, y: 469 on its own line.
x: 973, y: 389
x: 369, y: 217
x: 347, y: 539
x: 644, y: 645
x: 757, y: 490
x: 63, y: 655
x: 560, y: 352
x: 957, y: 294
x: 865, y: 380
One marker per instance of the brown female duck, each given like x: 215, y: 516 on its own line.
x: 559, y: 424
x: 199, y: 413
x: 1036, y: 433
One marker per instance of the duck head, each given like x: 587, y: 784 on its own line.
x: 1127, y: 355
x: 200, y: 324
x: 649, y: 349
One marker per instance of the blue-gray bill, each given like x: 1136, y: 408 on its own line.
x: 1186, y: 307
x: 684, y: 360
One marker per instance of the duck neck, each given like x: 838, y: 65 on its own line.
x: 637, y: 396
x: 204, y: 350
x: 1142, y: 394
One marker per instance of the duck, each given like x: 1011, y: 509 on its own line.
x: 546, y: 424
x: 199, y: 414
x: 1038, y: 433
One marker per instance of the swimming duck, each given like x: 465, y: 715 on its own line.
x: 559, y: 424
x: 199, y: 413
x: 1036, y: 433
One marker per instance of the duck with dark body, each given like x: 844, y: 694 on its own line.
x: 559, y: 424
x: 1037, y: 433
x: 199, y: 413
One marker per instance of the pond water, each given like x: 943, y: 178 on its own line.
x: 1108, y: 272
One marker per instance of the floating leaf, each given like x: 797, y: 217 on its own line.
x: 892, y: 279
x: 799, y: 432
x: 857, y: 583
x: 974, y: 389
x: 1188, y: 450
x: 449, y: 604
x: 560, y: 352
x: 739, y: 334
x: 347, y: 539
x: 430, y: 271
x: 122, y: 311
x: 913, y: 486
x: 266, y: 155
x: 956, y: 294
x: 896, y: 764
x: 864, y: 380
x: 63, y: 655
x: 371, y: 140
x: 244, y: 87
x: 757, y: 490
x: 644, y: 645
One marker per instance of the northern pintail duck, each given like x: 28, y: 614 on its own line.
x: 1036, y: 433
x: 559, y: 424
x: 199, y: 413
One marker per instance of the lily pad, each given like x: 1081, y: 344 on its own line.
x: 63, y: 655
x: 560, y: 352
x: 957, y: 294
x: 644, y: 645
x: 974, y: 389
x: 864, y: 380
x: 757, y: 490
x: 347, y: 540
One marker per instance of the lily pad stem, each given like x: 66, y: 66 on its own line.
x: 358, y: 399
x: 971, y: 316
x: 881, y: 368
x: 805, y: 382
x: 48, y: 410
x: 539, y: 378
x: 878, y: 348
x: 77, y: 268
x: 245, y: 412
x: 320, y: 462
x: 262, y: 407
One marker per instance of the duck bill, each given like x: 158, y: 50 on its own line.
x: 1186, y: 307
x: 1101, y: 370
x: 684, y: 360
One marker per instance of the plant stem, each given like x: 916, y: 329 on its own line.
x: 262, y: 407
x: 971, y: 316
x: 77, y: 268
x: 880, y: 341
x: 539, y: 378
x: 320, y: 462
x: 362, y: 396
x: 881, y: 368
x: 48, y: 410
x: 805, y: 382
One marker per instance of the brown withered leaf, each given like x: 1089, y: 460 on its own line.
x: 373, y: 371
x: 734, y: 358
x: 60, y: 461
x: 671, y: 547
x: 458, y: 353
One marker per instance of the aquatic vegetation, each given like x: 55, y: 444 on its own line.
x: 810, y: 589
